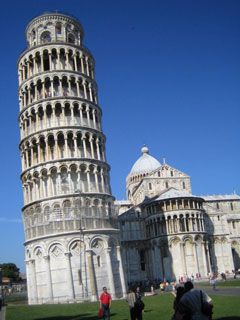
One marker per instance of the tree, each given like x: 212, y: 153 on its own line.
x: 11, y: 271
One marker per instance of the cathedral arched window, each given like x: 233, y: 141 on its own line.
x: 45, y: 37
x: 58, y: 28
x: 57, y: 213
x: 183, y: 185
x: 150, y: 186
x: 46, y: 214
x: 142, y: 259
x: 66, y: 209
x: 99, y: 261
x: 71, y: 38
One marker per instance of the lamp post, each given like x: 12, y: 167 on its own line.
x: 82, y: 250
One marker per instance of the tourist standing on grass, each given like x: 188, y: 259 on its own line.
x: 105, y: 303
x: 139, y: 305
x: 194, y: 304
x: 178, y: 295
x: 131, y: 299
x: 213, y: 282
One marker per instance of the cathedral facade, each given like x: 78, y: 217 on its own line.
x: 169, y: 233
x: 72, y: 245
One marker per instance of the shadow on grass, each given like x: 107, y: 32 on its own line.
x: 75, y: 317
x: 228, y: 318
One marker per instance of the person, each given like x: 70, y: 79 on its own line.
x: 178, y: 295
x: 194, y: 304
x: 138, y: 305
x: 131, y: 299
x: 1, y: 302
x: 213, y: 282
x: 105, y: 303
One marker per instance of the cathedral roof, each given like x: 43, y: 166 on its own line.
x: 219, y: 197
x: 174, y: 193
x: 145, y: 163
x: 171, y: 193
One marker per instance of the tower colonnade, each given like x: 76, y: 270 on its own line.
x: 62, y: 84
x: 59, y: 144
x: 55, y: 57
x: 62, y: 179
x: 59, y: 113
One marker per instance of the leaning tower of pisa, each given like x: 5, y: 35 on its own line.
x: 71, y: 239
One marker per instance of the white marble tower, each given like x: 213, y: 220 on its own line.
x: 71, y: 238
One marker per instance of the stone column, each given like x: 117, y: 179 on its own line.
x: 91, y: 146
x: 85, y: 90
x: 196, y: 257
x: 71, y: 293
x: 153, y: 261
x: 184, y: 267
x: 88, y: 117
x: 91, y: 273
x: 94, y: 119
x: 58, y: 60
x: 208, y: 258
x: 110, y: 272
x: 96, y: 180
x: 33, y: 282
x: 81, y: 115
x: 75, y: 62
x: 88, y: 181
x: 77, y: 87
x: 121, y: 272
x: 82, y: 67
x: 41, y: 63
x: 75, y: 147
x: 84, y: 147
x: 90, y: 92
x: 159, y: 261
x: 86, y: 60
x: 205, y: 266
x: 29, y: 281
x: 102, y: 181
x: 49, y: 297
x: 98, y: 151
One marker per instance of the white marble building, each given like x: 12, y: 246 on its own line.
x: 71, y: 236
x: 167, y: 232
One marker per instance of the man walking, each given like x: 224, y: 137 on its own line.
x: 105, y: 303
x: 131, y: 299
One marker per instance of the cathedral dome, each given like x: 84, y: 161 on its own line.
x: 145, y: 163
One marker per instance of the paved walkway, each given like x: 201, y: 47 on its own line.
x: 220, y: 291
x: 2, y: 313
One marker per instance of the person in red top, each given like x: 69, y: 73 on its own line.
x: 105, y: 303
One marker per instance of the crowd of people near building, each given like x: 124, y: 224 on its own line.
x: 189, y: 303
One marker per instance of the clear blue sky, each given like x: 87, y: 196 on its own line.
x: 168, y: 74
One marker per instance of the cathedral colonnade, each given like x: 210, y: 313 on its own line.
x: 65, y: 175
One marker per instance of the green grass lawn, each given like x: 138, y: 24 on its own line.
x: 156, y: 307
